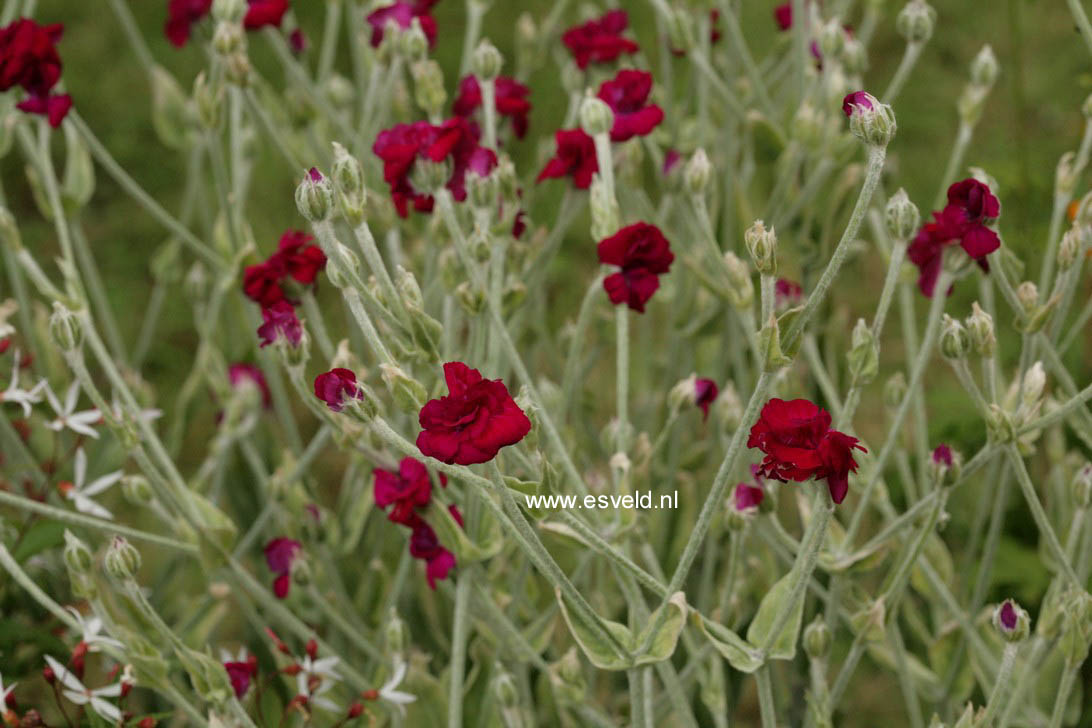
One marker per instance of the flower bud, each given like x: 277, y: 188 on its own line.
x: 486, y: 62
x: 504, y: 688
x: 902, y: 216
x: 471, y: 298
x: 596, y: 118
x: 66, y: 328
x: 513, y: 295
x: 1034, y: 383
x: 137, y: 490
x: 869, y: 120
x: 808, y: 126
x: 395, y: 634
x: 77, y: 557
x: 228, y: 38
x: 946, y: 465
x: 955, y: 342
x: 315, y: 196
x: 915, y: 22
x: 894, y: 390
x: 229, y: 11
x: 984, y: 68
x: 413, y: 42
x: 429, y: 176
x: 429, y: 92
x: 482, y: 191
x: 348, y: 179
x: 208, y: 97
x: 741, y: 292
x: 1011, y: 621
x: 1080, y: 489
x: 1076, y: 628
x: 728, y: 408
x: 697, y: 172
x: 854, y: 56
x: 999, y: 426
x: 817, y: 639
x: 1069, y: 249
x: 980, y: 329
x: 680, y: 30
x: 762, y: 245
x: 122, y: 559
x: 683, y: 394
x: 407, y: 391
x: 864, y: 355
x: 1027, y: 293
x: 832, y: 39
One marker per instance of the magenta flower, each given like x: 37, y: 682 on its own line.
x: 336, y: 387
x: 1008, y: 616
x: 240, y: 373
x: 241, y: 673
x: 280, y: 554
x: 402, y: 13
x: 643, y: 254
x: 705, y: 393
x: 942, y: 455
x: 510, y: 101
x: 783, y: 16
x: 627, y: 95
x: 425, y: 546
x: 671, y: 161
x: 575, y: 157
x: 407, y: 490
x: 599, y: 40
x: 29, y: 59
x: 280, y: 320
x: 857, y: 101
x: 748, y: 497
x: 787, y: 293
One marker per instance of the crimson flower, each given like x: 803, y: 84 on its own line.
x: 476, y: 419
x: 575, y: 157
x: 408, y: 489
x: 426, y: 546
x: 787, y: 293
x: 748, y: 497
x: 336, y: 387
x: 671, y: 161
x: 705, y: 393
x: 295, y: 258
x: 1008, y: 615
x: 280, y: 554
x: 644, y: 254
x: 599, y: 40
x: 264, y: 12
x: 971, y: 208
x: 856, y: 100
x: 280, y: 320
x: 241, y: 673
x: 239, y: 374
x: 942, y: 455
x: 783, y: 16
x: 799, y: 445
x: 627, y: 95
x: 401, y: 13
x: 29, y: 59
x: 182, y: 14
x: 510, y: 100
x: 298, y: 42
x: 401, y: 146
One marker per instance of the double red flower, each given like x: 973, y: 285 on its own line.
x: 241, y: 673
x: 336, y: 387
x: 402, y: 13
x: 971, y: 208
x: 280, y: 320
x: 295, y: 258
x: 454, y: 141
x: 407, y: 490
x: 575, y: 157
x: 280, y: 555
x: 29, y: 59
x: 182, y: 14
x: 239, y: 374
x: 510, y: 100
x: 424, y: 545
x: 627, y: 95
x: 473, y: 422
x: 599, y: 40
x: 643, y: 254
x: 799, y: 445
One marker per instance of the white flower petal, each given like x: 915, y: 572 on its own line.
x: 67, y: 679
x: 101, y: 484
x: 105, y: 709
x: 86, y: 505
x: 110, y: 691
x: 81, y: 467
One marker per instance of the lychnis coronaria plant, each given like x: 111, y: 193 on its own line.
x: 470, y: 363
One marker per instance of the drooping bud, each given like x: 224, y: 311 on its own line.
x: 980, y: 329
x: 315, y: 196
x: 65, y: 328
x: 487, y: 61
x: 122, y: 559
x: 762, y: 245
x: 595, y: 116
x: 870, y: 121
x: 915, y: 22
x: 817, y: 638
x: 1011, y: 621
x: 348, y: 178
x: 697, y: 172
x: 77, y: 557
x: 742, y: 290
x: 955, y: 342
x: 902, y: 216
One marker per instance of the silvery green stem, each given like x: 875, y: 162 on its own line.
x: 893, y: 593
x: 906, y: 681
x: 317, y: 324
x: 270, y: 128
x: 932, y: 328
x: 738, y: 42
x: 489, y: 110
x: 330, y: 31
x: 622, y: 375
x: 766, y: 705
x: 133, y: 34
x: 460, y: 632
x: 127, y: 183
x: 766, y: 296
x: 715, y: 499
x: 638, y: 717
x: 1061, y: 698
x: 366, y: 241
x: 364, y: 321
x: 475, y: 10
x: 1082, y: 21
x: 876, y: 157
x: 1002, y: 686
x: 724, y: 91
x: 1042, y: 521
x: 801, y: 31
x: 906, y: 65
x: 1059, y: 412
x: 963, y: 138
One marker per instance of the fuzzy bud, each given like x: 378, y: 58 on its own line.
x: 229, y: 11
x: 984, y: 68
x: 683, y: 394
x: 1011, y: 621
x: 742, y: 290
x: 487, y: 61
x: 228, y: 38
x: 955, y: 342
x: 395, y: 634
x: 902, y: 216
x: 77, y: 557
x: 504, y: 688
x: 407, y: 391
x: 869, y: 120
x: 1069, y: 249
x: 137, y: 490
x: 66, y: 328
x: 596, y: 118
x: 348, y: 177
x: 413, y: 43
x: 1080, y: 489
x: 1034, y: 383
x: 946, y: 465
x: 817, y: 639
x: 1027, y: 293
x: 762, y: 245
x: 894, y: 390
x: 915, y: 22
x: 854, y: 56
x: 832, y: 39
x: 999, y: 426
x: 315, y: 196
x: 122, y: 559
x: 697, y: 173
x: 980, y: 329
x: 864, y: 355
x: 429, y: 92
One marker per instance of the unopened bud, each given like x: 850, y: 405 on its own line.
x: 395, y: 634
x: 348, y: 177
x: 728, y: 408
x: 137, y: 490
x: 984, y: 68
x: 683, y: 394
x: 77, y: 557
x: 1080, y: 489
x: 428, y: 176
x: 697, y: 172
x: 315, y: 196
x: 595, y: 116
x: 1011, y: 621
x: 407, y: 391
x: 413, y: 41
x: 66, y: 328
x: 742, y: 290
x: 487, y: 61
x: 762, y: 245
x: 505, y: 690
x: 229, y: 11
x: 1069, y: 249
x: 9, y: 230
x: 208, y: 97
x: 1034, y: 383
x: 1027, y: 293
x: 902, y: 216
x: 122, y: 559
x: 471, y: 298
x: 955, y: 342
x: 980, y: 329
x: 832, y: 39
x: 854, y: 56
x: 408, y: 287
x: 946, y: 465
x: 894, y: 390
x: 916, y: 21
x: 429, y: 92
x: 999, y: 426
x: 864, y: 355
x: 870, y: 121
x: 228, y: 38
x: 817, y: 639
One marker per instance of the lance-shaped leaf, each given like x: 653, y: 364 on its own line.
x: 602, y: 653
x: 605, y: 656
x: 661, y: 644
x: 739, y: 652
x: 782, y: 645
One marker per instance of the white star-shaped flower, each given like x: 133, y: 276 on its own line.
x: 80, y: 494
x: 397, y: 697
x: 67, y: 416
x: 22, y: 397
x: 323, y: 670
x: 75, y: 691
x: 89, y: 632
